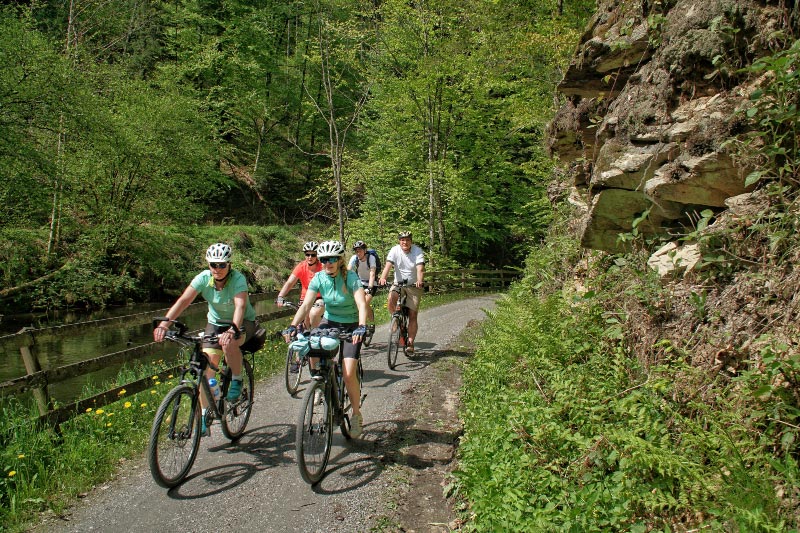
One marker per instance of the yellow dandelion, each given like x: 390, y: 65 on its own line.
x: 89, y: 409
x: 122, y: 392
x: 12, y: 473
x: 143, y: 405
x: 170, y: 376
x: 158, y: 383
x: 155, y: 378
x: 99, y: 412
x: 153, y: 391
x: 21, y: 456
x: 108, y: 425
x: 109, y: 414
x: 127, y: 405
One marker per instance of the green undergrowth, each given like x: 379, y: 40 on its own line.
x: 150, y: 263
x: 43, y: 470
x: 564, y: 431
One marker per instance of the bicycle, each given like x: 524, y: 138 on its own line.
x: 294, y: 357
x: 315, y: 423
x: 177, y: 427
x: 370, y: 327
x: 398, y: 326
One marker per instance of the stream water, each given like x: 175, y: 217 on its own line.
x: 54, y: 349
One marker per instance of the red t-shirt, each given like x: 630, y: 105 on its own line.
x: 304, y: 273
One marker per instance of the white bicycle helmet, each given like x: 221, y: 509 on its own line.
x: 359, y: 244
x: 218, y: 253
x: 330, y: 249
x: 310, y: 246
x: 404, y: 235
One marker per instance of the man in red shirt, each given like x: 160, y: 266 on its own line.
x: 303, y: 273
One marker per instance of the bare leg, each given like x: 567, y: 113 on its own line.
x: 351, y: 382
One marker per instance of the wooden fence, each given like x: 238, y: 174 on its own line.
x: 37, y: 380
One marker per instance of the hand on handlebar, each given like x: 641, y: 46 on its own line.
x: 359, y: 333
x: 289, y: 334
x: 419, y: 283
x: 159, y: 333
x: 382, y: 281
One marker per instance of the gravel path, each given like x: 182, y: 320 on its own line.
x: 254, y: 484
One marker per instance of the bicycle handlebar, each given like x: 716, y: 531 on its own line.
x: 181, y: 334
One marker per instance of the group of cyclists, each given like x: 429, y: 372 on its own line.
x: 334, y: 294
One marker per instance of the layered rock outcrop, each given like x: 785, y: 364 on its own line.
x: 654, y: 91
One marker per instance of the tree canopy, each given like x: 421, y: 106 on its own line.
x: 370, y: 116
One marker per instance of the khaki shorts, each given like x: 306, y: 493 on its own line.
x: 413, y: 295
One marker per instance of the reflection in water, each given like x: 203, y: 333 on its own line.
x: 54, y: 351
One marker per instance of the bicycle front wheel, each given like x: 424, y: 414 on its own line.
x: 394, y: 342
x: 314, y: 433
x: 293, y: 380
x: 368, y: 337
x: 175, y: 437
x: 236, y: 414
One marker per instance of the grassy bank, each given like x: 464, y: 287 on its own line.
x: 152, y: 263
x: 566, y: 430
x: 43, y: 470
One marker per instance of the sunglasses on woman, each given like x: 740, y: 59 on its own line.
x: 218, y: 265
x: 326, y: 260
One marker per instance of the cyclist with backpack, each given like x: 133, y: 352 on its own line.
x: 408, y: 262
x: 366, y: 263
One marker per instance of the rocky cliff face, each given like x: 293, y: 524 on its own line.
x: 653, y: 93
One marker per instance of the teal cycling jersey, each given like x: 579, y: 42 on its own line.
x: 337, y: 293
x: 220, y: 303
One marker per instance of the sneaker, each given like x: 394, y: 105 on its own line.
x: 235, y: 390
x: 356, y: 421
x: 371, y: 329
x: 318, y: 397
x: 294, y: 368
x: 410, y: 349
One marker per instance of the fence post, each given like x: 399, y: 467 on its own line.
x: 32, y: 366
x: 463, y: 280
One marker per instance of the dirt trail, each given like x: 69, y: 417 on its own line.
x: 389, y: 479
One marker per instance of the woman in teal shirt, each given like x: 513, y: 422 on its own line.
x: 345, y: 308
x: 230, y: 314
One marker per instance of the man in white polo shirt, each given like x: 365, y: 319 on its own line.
x: 408, y: 262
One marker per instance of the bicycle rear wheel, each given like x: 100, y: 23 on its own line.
x: 236, y: 414
x: 175, y: 437
x: 293, y: 380
x: 394, y: 342
x: 313, y: 434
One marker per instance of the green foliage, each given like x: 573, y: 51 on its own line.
x: 565, y: 431
x: 774, y: 112
x: 148, y: 263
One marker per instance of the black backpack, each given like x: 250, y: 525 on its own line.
x: 373, y: 253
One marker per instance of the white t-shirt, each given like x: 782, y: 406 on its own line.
x: 405, y: 264
x: 364, y: 266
